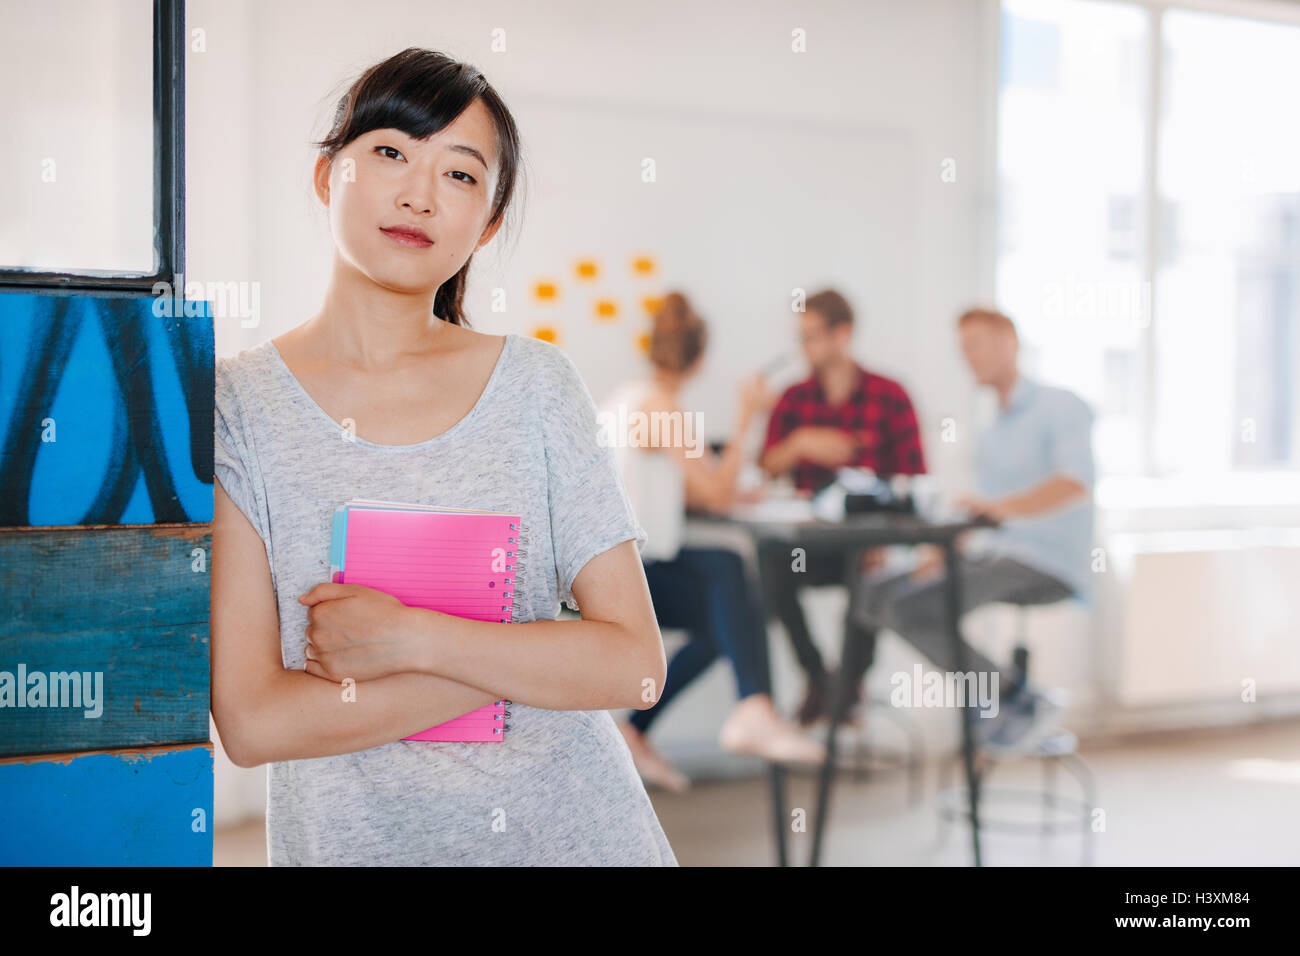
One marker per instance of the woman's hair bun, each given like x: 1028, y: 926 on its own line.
x: 678, y: 335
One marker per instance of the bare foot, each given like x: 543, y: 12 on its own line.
x: 650, y: 764
x: 754, y: 727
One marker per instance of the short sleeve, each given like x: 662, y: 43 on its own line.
x: 234, y: 464
x: 590, y: 510
x: 1070, y: 441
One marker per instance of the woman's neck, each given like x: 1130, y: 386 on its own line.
x: 365, y: 325
x: 665, y: 381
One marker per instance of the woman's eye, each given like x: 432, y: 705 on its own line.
x: 385, y: 150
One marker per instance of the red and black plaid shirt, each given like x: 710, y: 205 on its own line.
x: 877, y: 411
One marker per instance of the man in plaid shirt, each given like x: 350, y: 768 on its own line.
x: 842, y: 416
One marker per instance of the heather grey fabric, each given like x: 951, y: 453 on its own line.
x: 562, y: 782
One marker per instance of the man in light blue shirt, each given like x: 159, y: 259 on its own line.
x: 1034, y: 475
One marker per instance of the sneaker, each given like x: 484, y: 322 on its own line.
x: 1023, y: 722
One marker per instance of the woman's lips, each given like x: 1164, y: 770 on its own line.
x: 406, y: 238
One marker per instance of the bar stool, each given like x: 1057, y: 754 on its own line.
x: 1059, y: 813
x: 861, y: 758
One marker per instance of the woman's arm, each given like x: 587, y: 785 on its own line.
x: 612, y: 658
x: 264, y: 712
x: 710, y: 483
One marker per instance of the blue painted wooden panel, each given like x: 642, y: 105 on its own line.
x: 150, y: 807
x: 128, y: 604
x: 125, y: 394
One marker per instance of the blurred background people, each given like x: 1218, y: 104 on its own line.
x: 704, y: 591
x: 1034, y: 476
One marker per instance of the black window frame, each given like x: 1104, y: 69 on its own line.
x: 168, y: 179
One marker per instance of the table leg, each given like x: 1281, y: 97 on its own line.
x: 952, y: 575
x: 777, y: 773
x: 841, y: 697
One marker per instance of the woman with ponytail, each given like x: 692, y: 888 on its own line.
x: 387, y: 394
x: 705, y: 591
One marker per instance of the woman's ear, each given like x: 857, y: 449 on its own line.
x: 488, y: 233
x: 321, y: 178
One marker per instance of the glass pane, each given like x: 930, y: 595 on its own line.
x: 1228, y: 289
x: 1071, y: 141
x: 76, y: 171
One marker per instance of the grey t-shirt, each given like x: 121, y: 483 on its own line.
x: 560, y: 787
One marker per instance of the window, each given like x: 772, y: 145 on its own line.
x: 1226, y: 312
x: 1154, y: 264
x: 1072, y: 154
x: 91, y: 177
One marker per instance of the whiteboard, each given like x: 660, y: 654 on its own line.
x: 742, y: 210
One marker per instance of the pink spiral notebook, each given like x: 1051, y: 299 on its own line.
x: 454, y: 561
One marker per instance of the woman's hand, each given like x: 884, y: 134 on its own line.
x: 755, y: 397
x: 359, y: 632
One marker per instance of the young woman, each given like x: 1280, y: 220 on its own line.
x: 386, y: 393
x: 704, y: 590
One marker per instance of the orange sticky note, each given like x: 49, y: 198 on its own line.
x: 586, y: 269
x: 652, y: 304
x: 643, y: 342
x: 545, y: 291
x: 547, y: 333
x: 606, y: 309
x: 643, y: 265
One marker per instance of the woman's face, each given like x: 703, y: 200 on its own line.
x: 442, y: 186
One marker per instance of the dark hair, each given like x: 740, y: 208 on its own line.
x: 678, y: 336
x: 831, y: 306
x: 419, y: 92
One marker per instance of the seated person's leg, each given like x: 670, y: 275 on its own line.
x: 864, y: 616
x: 678, y: 597
x: 780, y: 584
x: 918, y: 613
x: 729, y: 617
x: 733, y: 620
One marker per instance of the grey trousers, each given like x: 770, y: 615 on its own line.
x: 918, y: 611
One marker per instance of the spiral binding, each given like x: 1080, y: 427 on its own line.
x: 518, y: 554
x: 505, y: 726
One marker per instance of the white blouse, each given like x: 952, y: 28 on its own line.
x: 656, y: 484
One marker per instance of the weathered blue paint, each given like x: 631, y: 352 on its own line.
x: 128, y: 397
x: 132, y: 603
x: 109, y: 809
